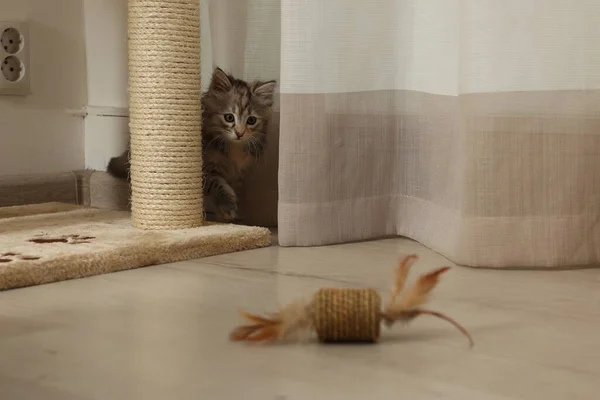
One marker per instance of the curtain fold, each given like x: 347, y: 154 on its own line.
x: 471, y: 126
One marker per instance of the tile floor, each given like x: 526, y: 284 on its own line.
x: 161, y: 333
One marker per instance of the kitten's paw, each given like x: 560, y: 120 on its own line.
x: 227, y: 212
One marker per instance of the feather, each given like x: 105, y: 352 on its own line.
x: 262, y: 328
x: 402, y: 274
x: 407, y: 309
x: 419, y: 292
x: 268, y: 333
x: 257, y: 319
x: 296, y: 317
x: 254, y: 333
x: 409, y: 315
x: 242, y: 332
x: 458, y: 326
x: 288, y: 320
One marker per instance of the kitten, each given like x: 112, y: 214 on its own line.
x: 235, y: 117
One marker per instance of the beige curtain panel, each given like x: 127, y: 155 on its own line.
x: 471, y: 126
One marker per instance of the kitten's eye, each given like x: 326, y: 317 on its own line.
x: 251, y: 120
x: 229, y: 117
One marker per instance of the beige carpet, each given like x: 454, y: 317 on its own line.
x: 53, y: 242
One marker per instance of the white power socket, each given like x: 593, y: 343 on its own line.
x: 14, y: 58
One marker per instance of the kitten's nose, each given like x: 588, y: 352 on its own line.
x: 239, y: 134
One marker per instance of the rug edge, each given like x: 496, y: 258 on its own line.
x: 248, y: 238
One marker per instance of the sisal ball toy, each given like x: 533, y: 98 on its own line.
x: 347, y: 315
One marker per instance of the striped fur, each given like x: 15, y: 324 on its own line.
x: 235, y: 117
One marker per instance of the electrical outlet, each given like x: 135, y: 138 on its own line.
x: 11, y: 40
x: 14, y: 58
x: 12, y: 69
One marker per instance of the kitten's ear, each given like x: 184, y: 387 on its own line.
x: 220, y: 81
x: 266, y: 90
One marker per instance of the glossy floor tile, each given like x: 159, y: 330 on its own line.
x: 161, y: 333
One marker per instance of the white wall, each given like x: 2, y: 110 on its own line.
x: 78, y: 63
x: 37, y: 134
x: 106, y: 46
x: 106, y: 125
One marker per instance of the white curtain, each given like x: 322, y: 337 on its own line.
x: 471, y: 126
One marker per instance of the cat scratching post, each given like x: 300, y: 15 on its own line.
x: 165, y: 113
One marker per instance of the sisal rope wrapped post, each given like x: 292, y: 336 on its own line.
x: 347, y: 315
x: 165, y: 114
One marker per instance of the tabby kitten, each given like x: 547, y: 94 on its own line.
x: 235, y: 117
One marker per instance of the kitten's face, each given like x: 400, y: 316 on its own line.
x: 236, y: 110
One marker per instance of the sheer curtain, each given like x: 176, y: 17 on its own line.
x: 471, y: 126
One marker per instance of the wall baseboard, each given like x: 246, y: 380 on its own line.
x: 99, y: 189
x: 102, y: 190
x: 39, y: 188
x: 100, y: 111
x: 85, y: 187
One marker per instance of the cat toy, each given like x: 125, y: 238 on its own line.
x: 348, y: 315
